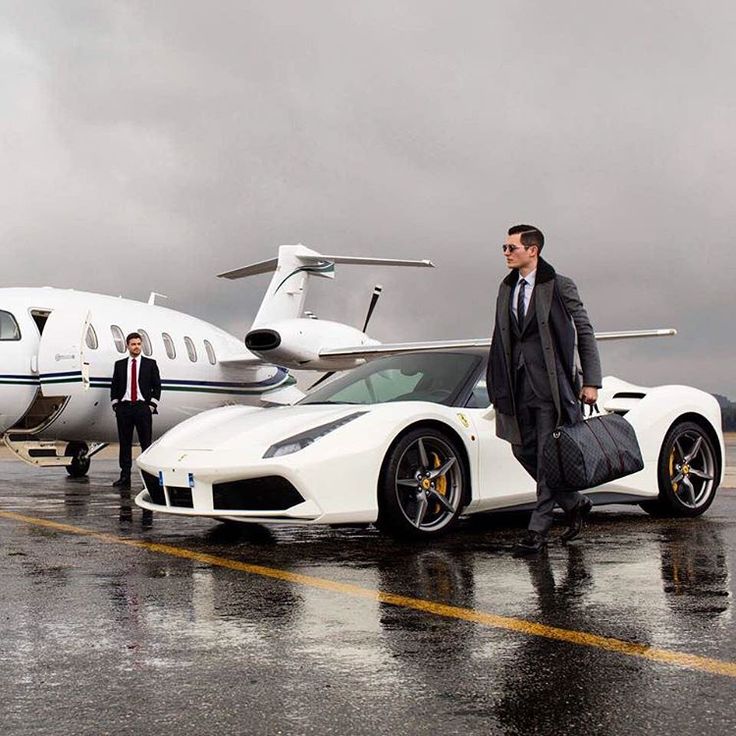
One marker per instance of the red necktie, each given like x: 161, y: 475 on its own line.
x: 133, y: 382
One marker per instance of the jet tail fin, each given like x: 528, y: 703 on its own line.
x: 287, y: 291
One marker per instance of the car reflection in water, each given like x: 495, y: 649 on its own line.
x: 695, y: 571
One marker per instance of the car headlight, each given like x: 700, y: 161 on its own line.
x: 304, y: 439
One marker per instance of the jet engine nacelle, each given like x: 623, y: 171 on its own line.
x: 297, y: 343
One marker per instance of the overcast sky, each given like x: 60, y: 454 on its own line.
x: 150, y: 145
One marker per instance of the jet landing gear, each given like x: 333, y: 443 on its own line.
x: 81, y: 455
x: 75, y: 456
x: 79, y: 465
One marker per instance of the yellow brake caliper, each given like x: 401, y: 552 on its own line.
x: 440, y: 483
x: 672, y: 469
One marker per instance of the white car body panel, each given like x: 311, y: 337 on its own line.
x: 338, y: 474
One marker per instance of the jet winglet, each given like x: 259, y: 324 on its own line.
x: 629, y: 334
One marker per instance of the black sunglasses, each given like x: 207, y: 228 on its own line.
x: 511, y: 248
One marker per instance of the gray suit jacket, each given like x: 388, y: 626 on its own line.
x: 564, y: 329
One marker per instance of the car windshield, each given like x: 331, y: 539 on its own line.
x: 435, y: 377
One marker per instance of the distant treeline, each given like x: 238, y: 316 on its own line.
x: 728, y: 412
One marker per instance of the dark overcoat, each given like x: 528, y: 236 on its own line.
x: 564, y: 329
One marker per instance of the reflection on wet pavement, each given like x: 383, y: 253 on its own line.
x: 101, y: 637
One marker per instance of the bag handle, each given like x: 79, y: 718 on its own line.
x: 593, y: 409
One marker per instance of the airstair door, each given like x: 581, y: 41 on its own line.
x: 62, y: 366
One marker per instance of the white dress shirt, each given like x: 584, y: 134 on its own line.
x: 138, y: 379
x: 530, y: 278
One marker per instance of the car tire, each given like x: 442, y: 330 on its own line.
x: 421, y: 488
x: 687, y: 473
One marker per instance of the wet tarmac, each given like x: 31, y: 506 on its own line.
x: 116, y: 623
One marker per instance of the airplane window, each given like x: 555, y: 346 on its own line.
x: 9, y: 329
x: 210, y: 352
x: 191, y: 350
x: 90, y: 338
x: 169, y: 345
x: 146, y: 341
x: 117, y: 335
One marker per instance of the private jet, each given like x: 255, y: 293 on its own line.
x: 58, y: 347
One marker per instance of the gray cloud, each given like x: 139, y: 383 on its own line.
x: 193, y: 138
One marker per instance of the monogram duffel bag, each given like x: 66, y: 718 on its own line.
x: 592, y: 452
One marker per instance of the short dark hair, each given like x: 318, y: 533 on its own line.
x: 530, y: 235
x: 133, y: 336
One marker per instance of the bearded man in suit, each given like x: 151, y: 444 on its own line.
x: 135, y: 393
x: 533, y: 378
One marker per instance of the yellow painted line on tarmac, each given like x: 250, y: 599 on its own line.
x: 490, y: 620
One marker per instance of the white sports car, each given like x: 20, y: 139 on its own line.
x: 408, y: 442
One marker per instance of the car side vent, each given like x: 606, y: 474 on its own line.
x: 270, y: 493
x: 155, y: 491
x: 623, y: 401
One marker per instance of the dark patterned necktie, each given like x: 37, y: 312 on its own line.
x: 133, y: 382
x: 520, y: 303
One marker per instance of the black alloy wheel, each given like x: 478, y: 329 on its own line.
x: 421, y: 486
x: 687, y: 473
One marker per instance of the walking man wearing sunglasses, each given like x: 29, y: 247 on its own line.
x: 533, y: 379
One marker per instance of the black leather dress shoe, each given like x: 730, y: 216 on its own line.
x: 122, y: 482
x: 577, y: 521
x: 532, y: 543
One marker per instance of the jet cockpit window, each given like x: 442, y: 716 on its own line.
x: 169, y: 345
x: 210, y: 352
x: 9, y: 329
x: 117, y: 335
x: 90, y: 338
x: 146, y: 343
x: 191, y: 350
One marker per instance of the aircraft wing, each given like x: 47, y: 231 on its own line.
x: 370, y: 352
x: 243, y: 360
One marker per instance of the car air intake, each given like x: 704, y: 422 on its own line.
x: 155, y: 491
x: 270, y: 493
x: 180, y: 497
x: 260, y: 340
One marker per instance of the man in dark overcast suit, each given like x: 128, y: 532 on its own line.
x: 135, y: 393
x: 533, y: 379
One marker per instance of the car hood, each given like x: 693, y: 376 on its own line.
x: 232, y: 427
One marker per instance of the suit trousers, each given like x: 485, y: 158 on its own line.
x: 537, y: 419
x: 132, y: 415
